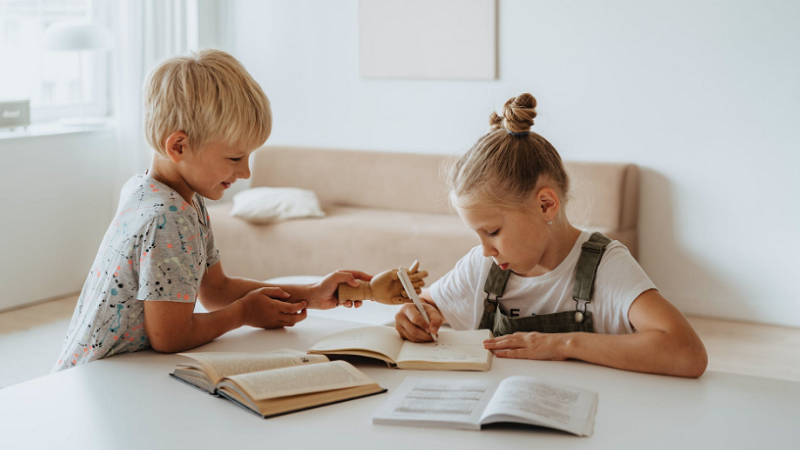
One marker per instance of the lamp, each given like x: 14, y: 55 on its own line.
x: 77, y: 36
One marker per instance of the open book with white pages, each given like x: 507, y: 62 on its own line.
x: 469, y: 404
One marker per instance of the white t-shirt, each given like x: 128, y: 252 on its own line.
x: 619, y: 281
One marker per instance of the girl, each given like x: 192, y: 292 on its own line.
x: 546, y: 289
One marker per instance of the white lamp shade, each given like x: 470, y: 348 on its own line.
x: 68, y: 35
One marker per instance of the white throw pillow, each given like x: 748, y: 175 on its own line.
x: 265, y: 204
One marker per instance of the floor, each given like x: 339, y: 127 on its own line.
x: 32, y: 336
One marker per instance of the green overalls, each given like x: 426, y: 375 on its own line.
x: 562, y: 322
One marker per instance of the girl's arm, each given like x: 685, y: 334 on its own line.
x: 664, y: 342
x: 218, y: 290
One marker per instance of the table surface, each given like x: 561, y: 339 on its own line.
x: 129, y: 401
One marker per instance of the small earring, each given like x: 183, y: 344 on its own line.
x: 549, y: 222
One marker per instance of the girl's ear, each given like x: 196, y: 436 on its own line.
x: 175, y: 146
x: 548, y: 202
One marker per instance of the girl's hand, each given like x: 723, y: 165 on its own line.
x: 412, y: 326
x: 533, y: 345
x: 323, y: 294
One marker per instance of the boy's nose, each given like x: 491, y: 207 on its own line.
x: 244, y: 173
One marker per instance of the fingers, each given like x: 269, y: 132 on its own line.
x: 274, y: 292
x: 405, y: 295
x: 291, y: 308
x: 351, y: 304
x: 411, y: 325
x: 342, y: 276
x: 419, y: 275
x: 358, y: 274
x: 503, y: 343
x: 414, y: 267
x: 414, y: 276
x: 411, y: 332
x: 509, y: 354
x: 289, y: 320
x: 436, y: 318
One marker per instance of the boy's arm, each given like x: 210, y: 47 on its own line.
x: 664, y: 342
x: 174, y: 327
x: 218, y: 290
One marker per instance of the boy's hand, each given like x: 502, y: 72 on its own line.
x: 262, y: 310
x: 323, y: 294
x: 411, y: 325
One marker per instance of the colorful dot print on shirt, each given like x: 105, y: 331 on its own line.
x: 157, y: 248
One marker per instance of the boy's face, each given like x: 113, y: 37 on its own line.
x: 215, y: 168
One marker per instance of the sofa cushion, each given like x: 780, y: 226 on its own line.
x: 367, y: 239
x: 264, y: 204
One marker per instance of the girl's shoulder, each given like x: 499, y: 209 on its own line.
x: 616, y: 250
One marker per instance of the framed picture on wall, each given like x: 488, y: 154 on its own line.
x: 446, y: 39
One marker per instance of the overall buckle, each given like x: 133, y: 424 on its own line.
x: 579, y: 314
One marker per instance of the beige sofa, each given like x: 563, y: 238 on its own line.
x: 387, y: 209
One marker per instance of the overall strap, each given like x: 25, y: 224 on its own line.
x: 591, y: 252
x: 496, y: 281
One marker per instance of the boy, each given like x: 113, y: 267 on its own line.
x: 203, y: 116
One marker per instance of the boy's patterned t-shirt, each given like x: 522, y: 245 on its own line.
x: 157, y: 248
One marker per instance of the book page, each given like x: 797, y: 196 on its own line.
x: 436, y: 402
x: 383, y: 340
x: 300, y: 380
x: 219, y: 365
x: 552, y: 405
x: 452, y: 346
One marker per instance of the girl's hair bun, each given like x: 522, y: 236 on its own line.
x: 518, y: 115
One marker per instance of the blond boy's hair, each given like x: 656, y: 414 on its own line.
x: 209, y: 96
x: 506, y: 164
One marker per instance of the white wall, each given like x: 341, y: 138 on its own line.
x: 58, y: 197
x: 702, y: 95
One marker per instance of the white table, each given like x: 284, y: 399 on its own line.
x: 130, y: 402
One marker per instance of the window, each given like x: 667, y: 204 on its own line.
x: 57, y: 83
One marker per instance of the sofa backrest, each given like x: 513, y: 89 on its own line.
x: 603, y: 196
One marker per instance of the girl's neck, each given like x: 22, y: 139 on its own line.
x: 564, y: 238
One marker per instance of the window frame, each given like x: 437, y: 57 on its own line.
x: 100, y: 106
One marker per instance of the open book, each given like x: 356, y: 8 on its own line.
x: 469, y: 404
x: 274, y: 383
x: 455, y: 350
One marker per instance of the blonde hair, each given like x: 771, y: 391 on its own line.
x: 209, y: 96
x: 503, y: 168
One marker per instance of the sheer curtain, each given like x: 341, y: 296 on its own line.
x: 145, y: 33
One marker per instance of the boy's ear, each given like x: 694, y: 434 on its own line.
x: 175, y: 146
x: 548, y: 202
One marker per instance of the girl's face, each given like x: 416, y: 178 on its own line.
x: 515, y: 239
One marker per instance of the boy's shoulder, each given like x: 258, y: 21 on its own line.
x: 144, y: 199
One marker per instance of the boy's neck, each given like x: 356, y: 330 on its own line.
x: 167, y: 174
